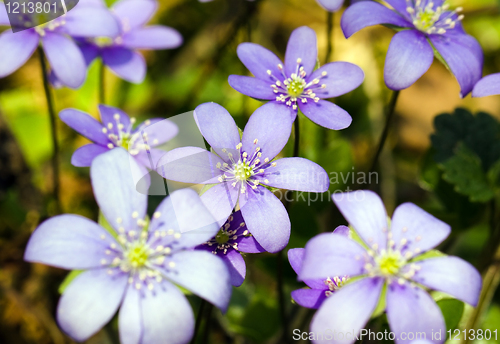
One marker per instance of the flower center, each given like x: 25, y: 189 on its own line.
x: 335, y: 284
x: 390, y: 262
x: 137, y: 255
x: 242, y: 171
x: 432, y: 20
x: 103, y: 41
x: 296, y: 86
x: 246, y: 170
x: 222, y: 237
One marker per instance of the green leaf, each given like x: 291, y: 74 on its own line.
x: 101, y: 220
x: 465, y: 172
x: 427, y: 255
x: 69, y: 278
x: 452, y: 310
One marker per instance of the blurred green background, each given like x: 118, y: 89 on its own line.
x: 179, y: 80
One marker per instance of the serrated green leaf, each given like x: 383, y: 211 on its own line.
x: 69, y: 278
x: 465, y: 172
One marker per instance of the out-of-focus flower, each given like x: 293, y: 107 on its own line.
x: 487, y: 86
x: 295, y: 84
x: 233, y: 238
x: 66, y: 60
x: 243, y: 168
x: 121, y: 54
x: 320, y: 288
x: 422, y: 25
x: 116, y: 130
x: 133, y: 265
x: 331, y: 5
x: 391, y: 257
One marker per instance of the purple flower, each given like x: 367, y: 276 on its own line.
x: 120, y: 54
x: 233, y: 238
x: 116, y: 130
x: 243, y: 168
x: 487, y: 86
x: 390, y: 258
x: 425, y: 24
x: 320, y: 288
x: 66, y: 60
x: 331, y: 5
x: 133, y: 265
x: 294, y: 84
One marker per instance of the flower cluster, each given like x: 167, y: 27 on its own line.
x: 390, y: 255
x: 72, y: 41
x: 133, y: 262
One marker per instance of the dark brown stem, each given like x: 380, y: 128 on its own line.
x: 53, y: 128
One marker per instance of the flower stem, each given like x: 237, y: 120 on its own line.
x: 279, y: 256
x: 53, y: 128
x: 199, y: 318
x: 390, y: 114
x: 329, y: 36
x: 102, y: 83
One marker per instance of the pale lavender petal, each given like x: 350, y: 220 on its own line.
x: 342, y: 230
x: 415, y: 231
x: 220, y: 200
x: 152, y: 37
x: 368, y: 13
x: 16, y: 49
x: 111, y: 123
x: 91, y: 21
x: 202, y: 273
x: 190, y: 165
x: 330, y: 255
x: 487, y: 86
x: 343, y: 311
x: 252, y: 87
x: 69, y: 242
x: 217, y: 126
x: 464, y: 56
x: 115, y: 191
x: 4, y: 18
x: 85, y: 125
x: 249, y: 245
x: 129, y: 317
x: 235, y: 265
x: 84, y: 155
x: 302, y: 50
x: 410, y: 309
x: 331, y: 5
x: 266, y: 218
x: 296, y: 258
x: 451, y: 275
x: 408, y: 58
x: 365, y: 211
x: 89, y: 302
x: 271, y: 126
x: 309, y: 298
x: 66, y: 60
x: 259, y: 60
x: 297, y: 174
x: 184, y: 212
x: 134, y: 13
x: 158, y: 131
x: 340, y: 78
x: 326, y: 114
x: 166, y: 313
x: 125, y: 63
